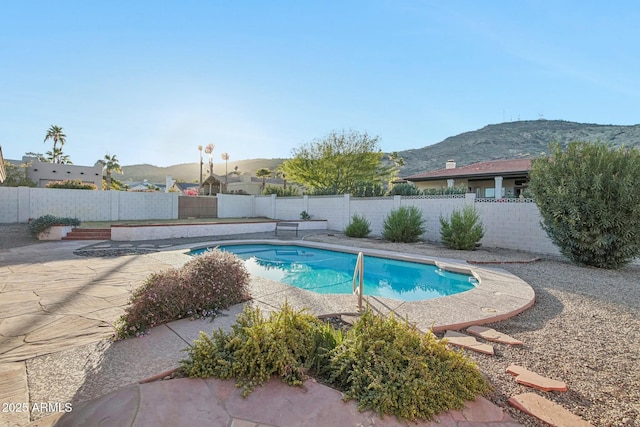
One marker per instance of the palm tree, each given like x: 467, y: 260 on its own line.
x: 225, y: 157
x: 55, y: 133
x: 57, y: 156
x: 263, y: 173
x: 110, y: 164
x: 209, y: 150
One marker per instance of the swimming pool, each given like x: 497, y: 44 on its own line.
x: 331, y: 272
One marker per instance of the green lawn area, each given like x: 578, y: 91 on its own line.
x: 108, y: 224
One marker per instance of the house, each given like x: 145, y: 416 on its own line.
x: 247, y: 184
x: 3, y: 171
x: 186, y: 188
x: 43, y: 173
x: 145, y: 186
x: 494, y: 179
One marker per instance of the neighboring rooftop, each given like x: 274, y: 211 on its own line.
x: 483, y: 169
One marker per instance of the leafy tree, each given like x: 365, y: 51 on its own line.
x: 110, y: 164
x: 263, y: 173
x: 589, y: 201
x: 16, y: 176
x: 396, y: 159
x: 55, y: 134
x: 338, y: 163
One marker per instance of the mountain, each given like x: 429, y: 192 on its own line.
x: 190, y: 172
x: 512, y: 140
x: 493, y: 142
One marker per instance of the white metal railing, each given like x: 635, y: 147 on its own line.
x: 358, y: 274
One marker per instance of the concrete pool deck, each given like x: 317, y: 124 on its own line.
x: 497, y: 296
x: 56, y: 308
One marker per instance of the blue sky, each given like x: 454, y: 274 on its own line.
x: 149, y: 81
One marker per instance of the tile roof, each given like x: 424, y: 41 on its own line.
x: 493, y: 168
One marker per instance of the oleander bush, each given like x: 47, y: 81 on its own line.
x: 45, y: 222
x: 589, y: 201
x: 358, y: 227
x: 462, y: 230
x: 384, y: 363
x: 404, y: 224
x: 206, y: 284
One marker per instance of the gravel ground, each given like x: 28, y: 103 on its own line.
x: 584, y: 328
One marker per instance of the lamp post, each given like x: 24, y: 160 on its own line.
x: 200, y: 186
x: 225, y: 157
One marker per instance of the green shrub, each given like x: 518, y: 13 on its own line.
x: 444, y: 191
x: 257, y: 348
x: 404, y: 189
x: 383, y: 363
x: 74, y: 184
x: 463, y: 230
x: 589, y: 201
x: 358, y: 227
x: 208, y: 283
x: 281, y: 191
x: 45, y: 222
x: 390, y: 367
x: 404, y: 224
x: 367, y: 189
x: 304, y: 215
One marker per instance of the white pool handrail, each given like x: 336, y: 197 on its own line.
x: 358, y: 272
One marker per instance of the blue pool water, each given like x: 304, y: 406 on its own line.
x: 331, y: 272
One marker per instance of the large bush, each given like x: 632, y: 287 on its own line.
x: 463, y: 230
x: 589, y: 199
x: 358, y: 227
x: 209, y: 282
x: 384, y: 363
x: 404, y: 224
x: 45, y: 222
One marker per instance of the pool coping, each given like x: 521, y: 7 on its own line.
x: 497, y: 295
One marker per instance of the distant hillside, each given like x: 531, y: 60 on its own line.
x: 190, y: 172
x: 493, y: 142
x: 512, y: 140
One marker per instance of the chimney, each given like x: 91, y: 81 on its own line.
x: 451, y: 164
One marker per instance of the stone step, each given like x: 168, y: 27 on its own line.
x: 493, y: 335
x: 531, y: 379
x: 89, y: 234
x: 547, y: 411
x: 466, y: 341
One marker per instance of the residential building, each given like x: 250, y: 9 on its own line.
x: 43, y: 173
x: 493, y: 179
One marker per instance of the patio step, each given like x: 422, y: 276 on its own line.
x: 89, y: 234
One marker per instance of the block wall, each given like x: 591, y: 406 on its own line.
x: 22, y: 203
